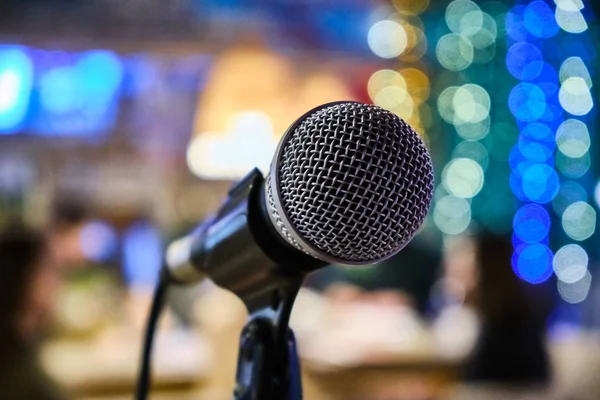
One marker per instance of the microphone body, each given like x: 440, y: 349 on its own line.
x: 238, y: 248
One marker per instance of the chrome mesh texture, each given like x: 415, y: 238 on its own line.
x: 355, y: 182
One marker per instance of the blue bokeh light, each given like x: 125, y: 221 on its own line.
x: 516, y: 178
x: 142, y: 254
x: 527, y: 102
x: 516, y: 241
x: 99, y: 241
x: 534, y: 151
x: 516, y: 186
x: 515, y: 24
x: 532, y: 262
x: 58, y: 90
x: 520, y: 160
x: 539, y: 20
x: 524, y: 61
x: 539, y: 132
x: 16, y: 75
x: 553, y: 116
x: 540, y: 183
x: 80, y: 97
x: 531, y: 223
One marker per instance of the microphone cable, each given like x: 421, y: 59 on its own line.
x: 158, y: 302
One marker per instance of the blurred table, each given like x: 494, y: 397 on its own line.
x: 393, y: 378
x: 109, y: 367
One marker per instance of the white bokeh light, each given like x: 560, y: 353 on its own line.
x: 471, y: 104
x: 387, y: 39
x: 249, y: 142
x: 382, y: 79
x: 452, y: 215
x: 575, y: 97
x: 574, y: 67
x: 573, y: 138
x: 575, y: 292
x: 463, y: 177
x: 570, y: 21
x: 570, y: 263
x: 579, y: 221
x: 454, y: 52
x: 569, y: 5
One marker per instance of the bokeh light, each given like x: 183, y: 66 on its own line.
x: 569, y: 5
x: 575, y: 96
x: 98, y: 240
x: 454, y: 52
x: 81, y: 97
x: 387, y: 39
x: 474, y: 130
x: 574, y: 67
x: 533, y: 262
x: 445, y: 104
x: 597, y: 194
x: 570, y: 263
x: 575, y: 292
x: 527, y: 102
x: 515, y: 24
x: 573, y: 138
x: 524, y: 61
x: 452, y: 215
x: 249, y: 142
x: 142, y: 254
x: 417, y: 43
x: 570, y: 192
x: 382, y: 79
x: 395, y: 98
x: 471, y: 104
x: 486, y: 34
x: 540, y: 183
x: 531, y: 223
x: 473, y: 150
x: 533, y: 150
x: 417, y: 84
x: 540, y: 133
x: 463, y: 177
x: 411, y: 7
x: 16, y: 76
x: 573, y: 167
x: 457, y: 11
x: 579, y: 221
x: 539, y: 19
x: 569, y: 20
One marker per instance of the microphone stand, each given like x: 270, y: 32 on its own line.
x: 268, y: 364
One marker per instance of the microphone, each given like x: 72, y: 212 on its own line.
x: 349, y: 184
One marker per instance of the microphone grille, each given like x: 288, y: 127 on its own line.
x: 353, y: 183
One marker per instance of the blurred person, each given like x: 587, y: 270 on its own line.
x: 28, y: 285
x: 511, y: 350
x: 69, y: 214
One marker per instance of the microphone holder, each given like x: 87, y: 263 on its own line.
x: 268, y: 364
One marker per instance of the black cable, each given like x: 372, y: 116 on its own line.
x: 143, y: 383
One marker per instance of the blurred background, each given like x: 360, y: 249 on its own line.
x: 123, y: 124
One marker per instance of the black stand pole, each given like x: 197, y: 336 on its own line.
x: 268, y: 364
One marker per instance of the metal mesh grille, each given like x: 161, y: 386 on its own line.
x: 355, y: 181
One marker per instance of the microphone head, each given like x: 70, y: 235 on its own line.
x: 350, y: 183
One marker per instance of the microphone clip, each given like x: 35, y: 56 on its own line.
x: 268, y: 363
